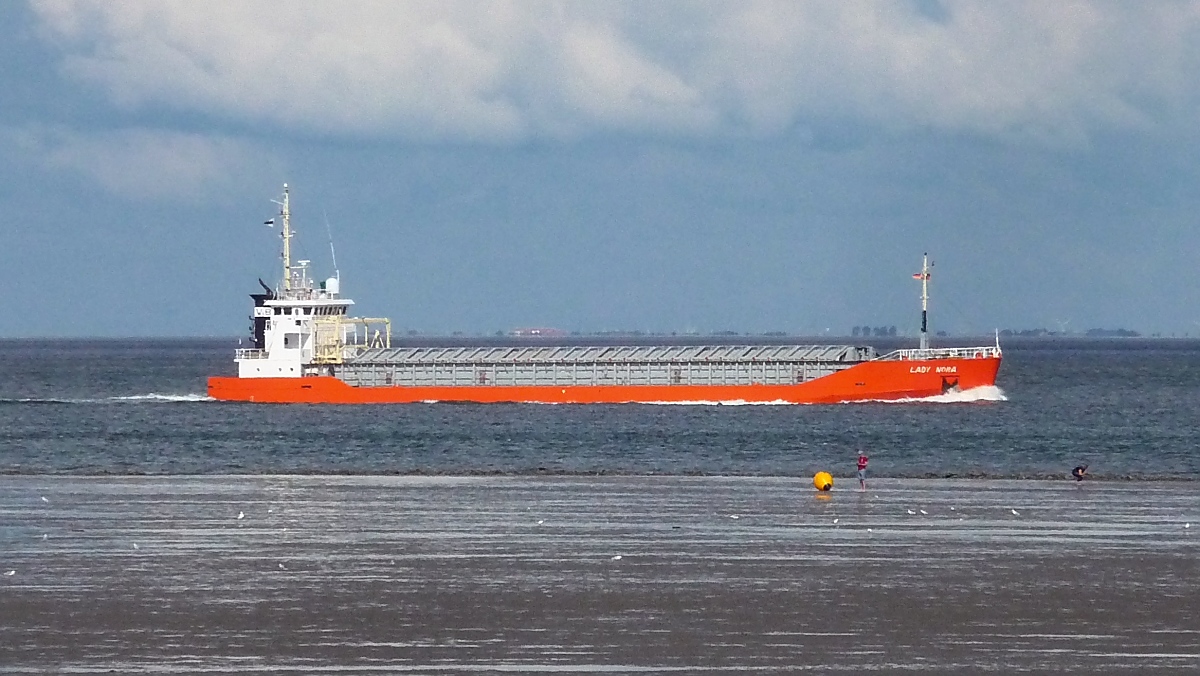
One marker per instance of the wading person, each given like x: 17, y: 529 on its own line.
x: 862, y: 471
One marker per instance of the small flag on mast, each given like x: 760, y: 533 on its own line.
x: 920, y: 275
x: 270, y: 222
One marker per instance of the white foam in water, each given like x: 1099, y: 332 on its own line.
x: 152, y: 397
x: 135, y: 398
x: 984, y: 393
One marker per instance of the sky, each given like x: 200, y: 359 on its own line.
x: 664, y: 167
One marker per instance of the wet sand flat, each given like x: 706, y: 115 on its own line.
x: 435, y: 575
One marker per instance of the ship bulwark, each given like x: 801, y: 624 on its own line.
x: 876, y: 379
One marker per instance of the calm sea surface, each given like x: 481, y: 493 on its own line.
x: 1127, y: 408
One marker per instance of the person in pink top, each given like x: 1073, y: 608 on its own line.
x: 862, y: 471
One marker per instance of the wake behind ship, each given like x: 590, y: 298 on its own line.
x: 308, y: 349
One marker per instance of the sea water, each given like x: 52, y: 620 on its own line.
x: 1127, y: 408
x: 703, y: 547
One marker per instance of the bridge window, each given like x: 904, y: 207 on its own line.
x: 278, y: 310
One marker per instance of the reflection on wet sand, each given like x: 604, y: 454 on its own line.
x: 604, y: 574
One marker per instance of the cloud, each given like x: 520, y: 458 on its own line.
x: 512, y: 70
x: 142, y: 163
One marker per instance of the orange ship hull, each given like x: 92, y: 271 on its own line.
x: 872, y: 380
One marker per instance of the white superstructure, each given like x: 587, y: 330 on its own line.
x: 305, y: 327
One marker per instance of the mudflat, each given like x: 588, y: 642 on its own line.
x: 634, y: 574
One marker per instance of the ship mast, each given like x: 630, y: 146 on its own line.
x: 286, y: 213
x: 924, y: 277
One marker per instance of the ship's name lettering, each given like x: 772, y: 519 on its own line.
x: 927, y: 369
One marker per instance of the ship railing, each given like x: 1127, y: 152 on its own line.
x: 337, y: 339
x: 250, y: 353
x: 917, y: 354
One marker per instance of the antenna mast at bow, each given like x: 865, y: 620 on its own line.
x: 923, y: 275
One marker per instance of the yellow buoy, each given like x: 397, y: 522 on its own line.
x: 823, y: 481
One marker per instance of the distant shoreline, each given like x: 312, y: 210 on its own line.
x: 435, y: 340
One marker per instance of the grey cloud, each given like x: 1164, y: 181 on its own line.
x: 143, y: 163
x: 501, y: 71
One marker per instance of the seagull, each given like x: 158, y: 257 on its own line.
x: 10, y: 573
x: 44, y: 499
x: 45, y: 536
x: 924, y: 512
x: 1187, y: 525
x: 733, y: 516
x: 869, y: 530
x: 951, y: 509
x: 135, y: 546
x: 1016, y: 513
x: 911, y: 512
x: 541, y: 521
x: 281, y: 567
x: 617, y: 557
x: 241, y: 515
x: 835, y: 520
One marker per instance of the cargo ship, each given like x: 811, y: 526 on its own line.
x: 307, y: 348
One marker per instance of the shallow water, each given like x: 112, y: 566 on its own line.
x: 357, y: 575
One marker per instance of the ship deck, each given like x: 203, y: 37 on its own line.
x: 574, y: 365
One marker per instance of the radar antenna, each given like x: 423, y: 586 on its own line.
x: 332, y: 254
